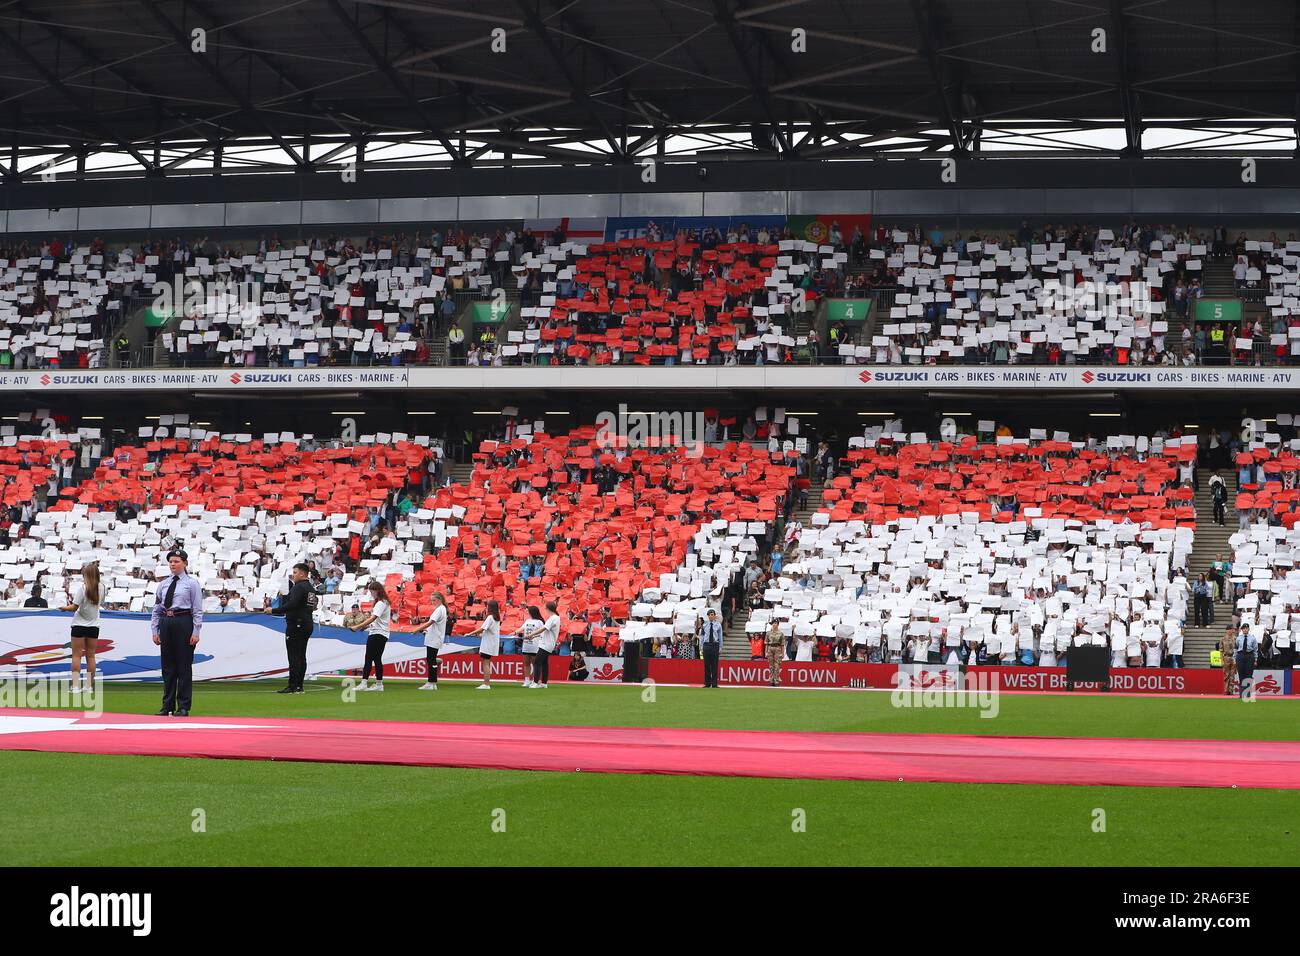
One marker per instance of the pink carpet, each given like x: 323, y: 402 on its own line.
x: 743, y: 753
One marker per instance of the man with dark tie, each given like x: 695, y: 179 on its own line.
x: 296, y: 607
x: 711, y: 645
x: 177, y: 618
x: 1247, y: 647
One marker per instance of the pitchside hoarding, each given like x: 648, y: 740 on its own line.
x: 248, y: 646
x: 1135, y: 680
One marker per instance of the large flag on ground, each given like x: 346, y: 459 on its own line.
x: 231, y: 646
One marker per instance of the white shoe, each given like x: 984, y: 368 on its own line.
x: 379, y: 687
x: 526, y: 683
x: 542, y: 686
x: 483, y: 687
x: 427, y: 686
x: 364, y: 686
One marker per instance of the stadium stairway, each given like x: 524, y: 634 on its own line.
x: 513, y: 322
x: 804, y: 515
x: 133, y: 327
x: 803, y: 321
x: 1209, y: 541
x: 735, y: 643
x: 1219, y: 284
x: 1217, y: 278
x: 1174, y: 336
x: 875, y: 321
x: 461, y: 472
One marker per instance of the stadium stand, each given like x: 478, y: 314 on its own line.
x: 1084, y: 299
x: 913, y: 547
x: 1010, y: 552
x: 639, y: 301
x: 579, y: 518
x: 1056, y: 295
x: 326, y: 302
x: 647, y: 301
x: 58, y: 304
x: 1260, y: 577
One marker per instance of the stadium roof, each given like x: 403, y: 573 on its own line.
x: 123, y: 87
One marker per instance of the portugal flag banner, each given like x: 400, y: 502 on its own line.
x: 818, y: 228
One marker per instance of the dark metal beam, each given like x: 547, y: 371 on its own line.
x: 841, y: 72
x: 757, y: 85
x: 63, y: 35
x: 632, y: 102
x: 72, y: 96
x: 242, y: 41
x: 444, y: 11
x: 861, y: 108
x: 831, y: 37
x: 539, y: 29
x: 768, y: 8
x: 1128, y: 98
x: 926, y: 23
x: 218, y: 77
x: 1295, y: 115
x: 381, y: 63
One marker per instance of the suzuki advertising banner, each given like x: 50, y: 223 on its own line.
x: 846, y: 377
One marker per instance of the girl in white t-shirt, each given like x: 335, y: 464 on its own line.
x: 531, y: 628
x: 377, y: 624
x: 547, y: 641
x: 435, y: 633
x: 489, y: 642
x: 86, y: 598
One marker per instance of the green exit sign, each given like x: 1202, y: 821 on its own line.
x: 1218, y: 310
x: 848, y: 310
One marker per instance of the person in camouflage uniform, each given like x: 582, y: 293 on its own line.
x: 1227, y: 651
x: 775, y: 645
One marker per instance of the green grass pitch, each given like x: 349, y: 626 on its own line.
x: 141, y: 810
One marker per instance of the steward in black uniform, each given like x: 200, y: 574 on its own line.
x: 296, y: 608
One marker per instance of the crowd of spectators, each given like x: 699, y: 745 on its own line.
x: 696, y: 296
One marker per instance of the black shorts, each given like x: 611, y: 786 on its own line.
x: 81, y: 630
